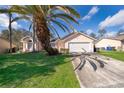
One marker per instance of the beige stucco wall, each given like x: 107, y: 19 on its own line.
x: 79, y: 38
x: 108, y: 42
x: 24, y: 46
x: 37, y: 46
x: 63, y: 44
x: 59, y: 44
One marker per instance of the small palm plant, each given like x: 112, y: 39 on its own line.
x: 43, y: 17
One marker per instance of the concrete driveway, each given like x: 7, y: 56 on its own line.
x: 99, y: 71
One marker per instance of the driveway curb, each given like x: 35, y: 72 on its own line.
x: 77, y: 76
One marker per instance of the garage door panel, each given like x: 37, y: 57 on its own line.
x: 79, y: 47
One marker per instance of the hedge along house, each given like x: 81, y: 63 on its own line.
x: 74, y: 42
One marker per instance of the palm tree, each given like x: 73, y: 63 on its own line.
x: 11, y: 20
x: 10, y: 31
x: 44, y: 16
x: 32, y: 25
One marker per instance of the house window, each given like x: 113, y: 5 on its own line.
x: 29, y: 40
x: 29, y: 45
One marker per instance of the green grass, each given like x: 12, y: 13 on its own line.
x: 114, y: 54
x: 36, y: 70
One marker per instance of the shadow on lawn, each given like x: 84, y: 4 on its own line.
x: 18, y: 67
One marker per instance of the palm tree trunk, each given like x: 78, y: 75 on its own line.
x: 10, y: 32
x: 34, y: 38
x: 43, y: 35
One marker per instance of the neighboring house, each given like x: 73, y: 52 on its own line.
x: 27, y: 44
x: 108, y: 44
x: 5, y: 46
x: 121, y: 38
x: 116, y: 43
x: 74, y: 42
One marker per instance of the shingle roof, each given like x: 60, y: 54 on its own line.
x: 76, y: 33
x: 112, y: 38
x: 120, y: 37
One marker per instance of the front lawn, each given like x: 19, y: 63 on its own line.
x: 36, y: 70
x: 113, y: 54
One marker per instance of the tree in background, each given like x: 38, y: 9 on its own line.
x: 16, y: 35
x: 101, y: 33
x: 93, y: 35
x: 121, y: 31
x: 11, y: 20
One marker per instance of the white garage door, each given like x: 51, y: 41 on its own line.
x: 80, y: 47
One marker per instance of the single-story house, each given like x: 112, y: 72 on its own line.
x: 116, y: 43
x: 74, y: 42
x: 27, y: 44
x: 5, y: 46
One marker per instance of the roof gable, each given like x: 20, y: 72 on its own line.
x: 74, y: 35
x: 120, y: 37
x: 26, y: 37
x: 107, y: 38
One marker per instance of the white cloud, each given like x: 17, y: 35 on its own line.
x: 115, y: 20
x: 89, y: 31
x: 4, y: 22
x: 92, y: 12
x: 86, y: 17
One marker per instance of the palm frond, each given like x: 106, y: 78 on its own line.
x: 4, y: 11
x: 21, y: 17
x: 52, y: 28
x: 65, y: 16
x: 67, y: 22
x: 67, y: 10
x: 30, y: 26
x: 72, y: 11
x: 62, y: 26
x: 19, y: 9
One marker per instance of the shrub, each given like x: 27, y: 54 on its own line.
x: 63, y: 50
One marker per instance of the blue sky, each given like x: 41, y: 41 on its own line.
x: 99, y: 15
x: 92, y: 18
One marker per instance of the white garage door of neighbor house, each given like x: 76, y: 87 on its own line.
x: 79, y: 47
